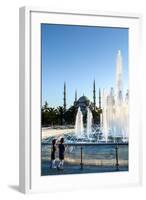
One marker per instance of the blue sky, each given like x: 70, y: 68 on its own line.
x: 78, y: 55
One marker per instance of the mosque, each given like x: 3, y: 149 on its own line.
x: 83, y: 102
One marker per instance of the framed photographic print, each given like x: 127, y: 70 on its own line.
x: 79, y: 102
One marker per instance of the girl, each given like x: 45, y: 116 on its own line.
x: 53, y: 151
x: 61, y: 153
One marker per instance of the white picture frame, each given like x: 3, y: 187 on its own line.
x: 30, y: 174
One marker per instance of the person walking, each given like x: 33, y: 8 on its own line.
x: 53, y: 154
x: 61, y: 153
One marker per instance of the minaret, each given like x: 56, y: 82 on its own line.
x: 99, y: 99
x: 64, y: 97
x: 94, y: 95
x: 76, y: 96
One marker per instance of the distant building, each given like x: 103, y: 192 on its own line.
x: 83, y: 102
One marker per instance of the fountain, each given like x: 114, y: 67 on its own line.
x: 79, y: 128
x: 89, y: 123
x: 113, y: 119
x: 104, y: 113
x: 115, y: 108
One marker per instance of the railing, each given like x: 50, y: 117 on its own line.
x: 92, y: 156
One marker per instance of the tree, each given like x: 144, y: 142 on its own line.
x: 45, y: 107
x: 70, y: 114
x: 44, y: 114
x: 60, y: 112
x: 49, y: 115
x: 52, y: 116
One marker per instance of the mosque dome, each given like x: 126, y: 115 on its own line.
x: 83, y: 99
x: 83, y: 102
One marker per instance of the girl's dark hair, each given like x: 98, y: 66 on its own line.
x: 53, y: 141
x: 62, y: 140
